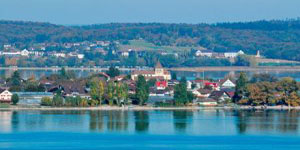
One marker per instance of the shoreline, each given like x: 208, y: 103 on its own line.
x: 148, y: 108
x: 189, y: 69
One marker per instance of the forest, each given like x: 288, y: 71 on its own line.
x: 275, y: 38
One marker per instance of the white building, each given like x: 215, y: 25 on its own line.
x: 5, y: 96
x: 158, y: 73
x: 24, y: 52
x: 207, y: 53
x: 233, y: 54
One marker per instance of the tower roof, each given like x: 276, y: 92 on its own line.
x: 158, y: 65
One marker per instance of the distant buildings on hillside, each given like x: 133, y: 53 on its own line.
x: 209, y: 53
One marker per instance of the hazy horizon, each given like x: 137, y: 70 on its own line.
x: 78, y: 12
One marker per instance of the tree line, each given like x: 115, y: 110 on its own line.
x: 265, y: 89
x: 275, y: 39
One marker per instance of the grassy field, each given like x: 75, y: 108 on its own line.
x: 143, y: 45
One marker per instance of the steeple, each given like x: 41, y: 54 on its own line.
x: 158, y: 65
x: 159, y: 70
x: 257, y: 54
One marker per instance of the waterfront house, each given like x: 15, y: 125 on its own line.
x: 32, y: 98
x: 152, y: 100
x: 202, y: 92
x: 219, y: 96
x: 5, y: 96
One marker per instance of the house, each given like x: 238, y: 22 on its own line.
x: 205, y: 102
x: 200, y: 83
x: 71, y: 89
x: 5, y: 96
x: 125, y: 53
x: 207, y: 53
x: 24, y: 52
x: 161, y: 85
x: 158, y: 73
x: 36, y: 53
x: 227, y: 83
x: 32, y: 98
x: 233, y: 54
x: 219, y: 96
x: 152, y: 100
x: 202, y: 92
x: 11, y: 53
x: 229, y: 91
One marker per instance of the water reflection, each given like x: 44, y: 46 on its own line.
x: 202, y: 122
x: 267, y: 121
x: 141, y: 121
x: 181, y: 119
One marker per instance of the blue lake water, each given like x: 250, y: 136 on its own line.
x: 162, y: 130
x: 189, y: 75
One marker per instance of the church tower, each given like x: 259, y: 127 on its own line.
x: 159, y: 70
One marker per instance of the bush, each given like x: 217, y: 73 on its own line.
x: 57, y: 100
x: 15, y: 99
x: 46, y: 101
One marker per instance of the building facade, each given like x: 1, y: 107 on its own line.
x: 158, y: 73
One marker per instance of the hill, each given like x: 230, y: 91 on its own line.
x: 275, y: 39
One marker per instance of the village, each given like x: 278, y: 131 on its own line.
x: 160, y: 92
x: 103, y: 53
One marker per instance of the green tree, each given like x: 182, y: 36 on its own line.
x: 240, y: 87
x: 142, y: 90
x: 15, y: 99
x: 113, y: 72
x: 181, y: 95
x: 16, y: 79
x: 174, y: 76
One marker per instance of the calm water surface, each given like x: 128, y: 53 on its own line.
x: 189, y: 75
x: 191, y: 130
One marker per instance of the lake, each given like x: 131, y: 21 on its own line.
x: 25, y: 74
x: 148, y: 130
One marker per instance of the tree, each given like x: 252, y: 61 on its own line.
x: 245, y: 60
x: 16, y: 79
x: 142, y: 90
x: 97, y: 91
x: 110, y: 92
x: 122, y: 93
x: 288, y: 86
x: 240, y: 87
x: 263, y: 77
x: 181, y: 95
x: 174, y: 76
x: 113, y: 72
x: 15, y: 99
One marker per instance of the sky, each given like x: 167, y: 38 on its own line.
x: 82, y: 12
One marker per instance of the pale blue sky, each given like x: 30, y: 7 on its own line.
x: 70, y: 12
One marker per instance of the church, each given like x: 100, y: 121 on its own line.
x: 158, y: 73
